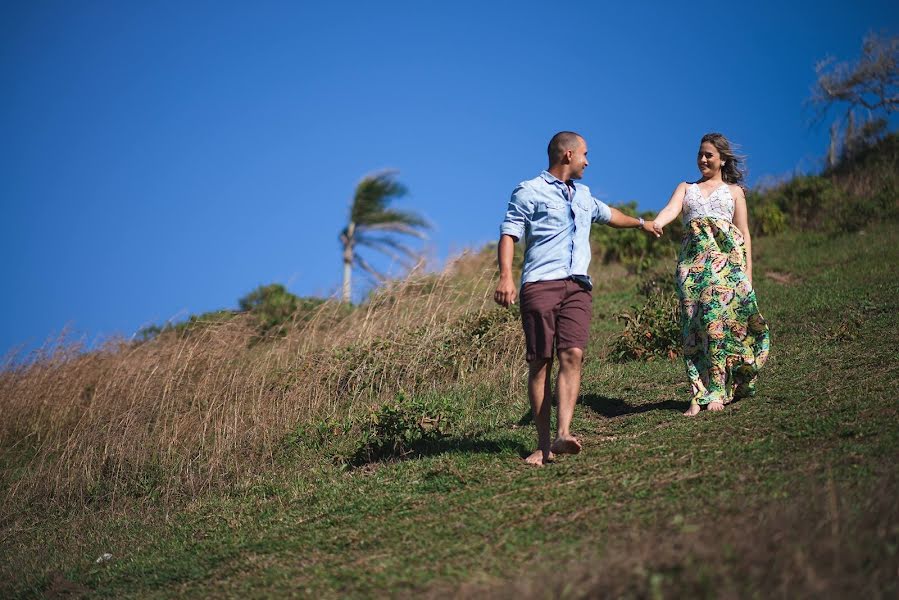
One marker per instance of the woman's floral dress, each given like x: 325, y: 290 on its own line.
x: 725, y: 338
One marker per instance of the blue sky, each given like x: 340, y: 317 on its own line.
x: 160, y: 159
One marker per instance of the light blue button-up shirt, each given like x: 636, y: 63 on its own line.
x: 555, y: 226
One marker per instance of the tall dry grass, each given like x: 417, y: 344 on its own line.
x: 183, y: 413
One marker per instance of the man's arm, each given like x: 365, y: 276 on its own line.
x: 505, y: 290
x: 512, y: 229
x: 619, y: 220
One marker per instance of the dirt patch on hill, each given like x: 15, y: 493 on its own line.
x: 782, y: 277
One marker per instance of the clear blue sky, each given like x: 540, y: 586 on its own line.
x: 159, y: 159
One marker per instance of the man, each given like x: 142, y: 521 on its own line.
x: 553, y: 214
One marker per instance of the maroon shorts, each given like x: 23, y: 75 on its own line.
x: 555, y: 314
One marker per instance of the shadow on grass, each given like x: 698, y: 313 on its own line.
x: 448, y: 445
x: 616, y: 407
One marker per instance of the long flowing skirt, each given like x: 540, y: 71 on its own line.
x: 725, y: 338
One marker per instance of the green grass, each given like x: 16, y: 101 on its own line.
x: 787, y: 494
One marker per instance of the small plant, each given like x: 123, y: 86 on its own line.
x: 652, y: 329
x: 404, y: 426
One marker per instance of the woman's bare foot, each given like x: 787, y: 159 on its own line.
x: 716, y: 406
x: 693, y: 410
x: 566, y: 444
x: 538, y: 459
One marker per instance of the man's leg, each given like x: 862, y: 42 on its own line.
x: 540, y: 395
x: 539, y: 301
x: 572, y: 334
x: 570, y: 361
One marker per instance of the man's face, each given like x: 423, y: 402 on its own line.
x: 578, y: 160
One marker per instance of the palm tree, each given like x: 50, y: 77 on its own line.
x: 374, y: 225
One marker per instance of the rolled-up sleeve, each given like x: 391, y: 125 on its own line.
x: 601, y: 211
x: 520, y: 206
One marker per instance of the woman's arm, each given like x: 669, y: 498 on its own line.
x: 672, y: 209
x: 741, y: 220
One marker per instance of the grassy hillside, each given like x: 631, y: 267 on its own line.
x: 380, y: 454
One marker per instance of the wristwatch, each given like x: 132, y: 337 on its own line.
x: 642, y: 222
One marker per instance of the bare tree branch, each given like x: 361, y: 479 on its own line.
x: 871, y: 83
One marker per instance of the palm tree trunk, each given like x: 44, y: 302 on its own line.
x: 347, y: 274
x: 348, y: 262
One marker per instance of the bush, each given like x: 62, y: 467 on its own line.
x: 403, y: 427
x: 816, y: 203
x: 273, y: 307
x: 869, y: 181
x: 805, y: 201
x: 861, y: 189
x: 651, y: 330
x: 765, y: 216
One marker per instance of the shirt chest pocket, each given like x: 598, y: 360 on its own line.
x: 551, y: 213
x: 583, y: 214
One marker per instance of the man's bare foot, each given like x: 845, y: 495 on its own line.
x: 693, y: 410
x: 566, y: 444
x: 538, y: 460
x: 716, y: 406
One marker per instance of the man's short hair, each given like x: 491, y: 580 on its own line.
x: 561, y: 143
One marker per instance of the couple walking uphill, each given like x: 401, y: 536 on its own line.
x: 725, y: 339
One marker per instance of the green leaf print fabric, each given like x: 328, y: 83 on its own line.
x: 725, y: 338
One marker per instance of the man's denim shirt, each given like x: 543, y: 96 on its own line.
x: 556, y: 229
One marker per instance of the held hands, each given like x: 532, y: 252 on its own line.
x: 505, y: 292
x: 652, y: 229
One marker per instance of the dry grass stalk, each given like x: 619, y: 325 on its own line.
x: 183, y: 413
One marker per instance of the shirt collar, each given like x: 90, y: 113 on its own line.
x: 550, y: 178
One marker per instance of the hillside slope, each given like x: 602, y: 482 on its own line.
x: 788, y: 494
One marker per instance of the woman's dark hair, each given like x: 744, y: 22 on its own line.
x: 733, y: 170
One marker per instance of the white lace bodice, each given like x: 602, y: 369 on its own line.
x: 718, y: 205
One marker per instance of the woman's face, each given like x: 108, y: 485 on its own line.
x: 708, y: 160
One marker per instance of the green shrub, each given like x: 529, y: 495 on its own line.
x: 816, y: 203
x: 870, y: 183
x: 405, y: 427
x: 401, y: 428
x: 804, y: 200
x: 765, y: 216
x: 273, y: 307
x: 861, y: 189
x: 651, y: 330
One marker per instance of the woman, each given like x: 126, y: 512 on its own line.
x: 725, y: 338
